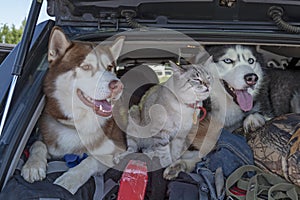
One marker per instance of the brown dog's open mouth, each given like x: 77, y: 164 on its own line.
x: 240, y: 97
x: 101, y: 107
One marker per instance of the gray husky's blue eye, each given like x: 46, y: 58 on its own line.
x: 228, y: 61
x: 251, y: 60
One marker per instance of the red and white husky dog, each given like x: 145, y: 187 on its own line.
x: 79, y: 87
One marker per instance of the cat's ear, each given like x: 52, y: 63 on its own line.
x: 200, y: 57
x: 172, y: 64
x: 176, y: 68
x: 209, y: 61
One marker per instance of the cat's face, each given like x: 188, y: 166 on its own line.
x: 199, y: 80
x: 194, y: 81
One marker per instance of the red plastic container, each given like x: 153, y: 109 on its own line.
x: 134, y: 181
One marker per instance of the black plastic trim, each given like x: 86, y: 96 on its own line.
x: 27, y: 96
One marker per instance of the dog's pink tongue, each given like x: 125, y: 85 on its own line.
x: 244, y: 99
x: 105, y: 105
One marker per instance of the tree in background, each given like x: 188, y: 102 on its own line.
x: 11, y: 35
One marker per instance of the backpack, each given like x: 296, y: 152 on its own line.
x: 207, y: 181
x: 276, y: 147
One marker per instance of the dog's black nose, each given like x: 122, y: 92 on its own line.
x: 251, y: 79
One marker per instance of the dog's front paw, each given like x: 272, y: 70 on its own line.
x: 34, y: 170
x: 174, y: 169
x: 70, y: 181
x: 253, y: 122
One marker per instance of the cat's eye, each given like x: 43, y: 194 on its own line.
x: 251, y: 61
x: 110, y: 68
x: 198, y: 80
x: 86, y: 67
x: 228, y: 61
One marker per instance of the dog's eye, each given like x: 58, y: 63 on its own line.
x: 86, y: 67
x: 228, y: 61
x: 251, y: 60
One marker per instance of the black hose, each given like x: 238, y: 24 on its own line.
x: 276, y: 13
x: 128, y: 14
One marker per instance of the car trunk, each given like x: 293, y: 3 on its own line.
x: 163, y: 31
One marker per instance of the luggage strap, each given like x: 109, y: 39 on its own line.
x: 210, y: 185
x: 262, y: 185
x: 102, y: 187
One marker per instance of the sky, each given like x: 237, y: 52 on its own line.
x: 15, y: 11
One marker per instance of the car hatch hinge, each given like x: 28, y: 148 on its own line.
x: 227, y: 3
x: 108, y: 21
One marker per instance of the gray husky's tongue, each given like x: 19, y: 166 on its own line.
x: 244, y: 99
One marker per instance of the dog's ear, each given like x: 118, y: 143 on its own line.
x: 58, y: 44
x: 116, y: 47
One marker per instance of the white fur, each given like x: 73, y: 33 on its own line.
x: 35, y: 167
x: 74, y: 177
x: 68, y: 140
x: 253, y: 121
x: 93, y: 85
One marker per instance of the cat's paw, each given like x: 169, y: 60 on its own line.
x: 253, y: 122
x: 119, y: 156
x: 34, y: 170
x: 174, y: 169
x: 150, y: 153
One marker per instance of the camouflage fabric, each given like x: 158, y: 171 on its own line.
x: 276, y: 147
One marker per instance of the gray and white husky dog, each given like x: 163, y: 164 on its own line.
x: 240, y: 73
x: 159, y: 125
x: 254, y: 92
